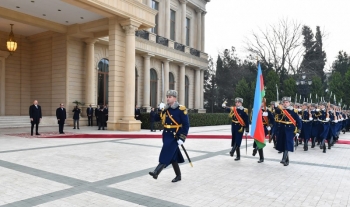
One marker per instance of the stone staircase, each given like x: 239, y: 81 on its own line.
x: 24, y: 121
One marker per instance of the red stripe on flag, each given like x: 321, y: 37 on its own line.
x: 259, y: 133
x: 261, y: 83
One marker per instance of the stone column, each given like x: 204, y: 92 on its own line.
x: 167, y: 19
x: 146, y: 82
x: 199, y: 29
x: 183, y: 20
x: 121, y: 91
x: 90, y: 83
x: 129, y: 70
x: 166, y: 76
x: 3, y: 56
x: 203, y: 31
x: 197, y: 97
x: 181, y: 98
x: 201, y: 89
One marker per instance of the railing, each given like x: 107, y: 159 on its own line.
x: 194, y: 52
x: 162, y: 40
x: 180, y: 47
x: 143, y: 34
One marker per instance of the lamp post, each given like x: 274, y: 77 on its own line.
x: 303, y: 86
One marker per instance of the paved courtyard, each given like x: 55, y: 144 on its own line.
x: 51, y: 172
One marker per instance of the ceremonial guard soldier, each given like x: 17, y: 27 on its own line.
x: 306, y: 118
x: 268, y: 121
x: 240, y: 120
x: 290, y: 126
x: 315, y: 129
x: 176, y: 125
x: 324, y: 118
x: 273, y: 128
x: 332, y: 133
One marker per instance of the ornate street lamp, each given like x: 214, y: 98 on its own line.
x: 11, y: 43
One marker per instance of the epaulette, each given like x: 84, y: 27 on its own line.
x: 183, y: 108
x: 246, y: 110
x: 296, y: 110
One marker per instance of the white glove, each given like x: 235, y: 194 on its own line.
x: 327, y: 119
x: 276, y: 104
x: 299, y: 109
x: 180, y: 142
x: 268, y: 128
x: 311, y: 119
x: 265, y: 114
x: 297, y: 134
x: 336, y: 121
x: 317, y: 109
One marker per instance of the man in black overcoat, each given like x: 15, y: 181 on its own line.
x: 61, y: 117
x: 35, y: 117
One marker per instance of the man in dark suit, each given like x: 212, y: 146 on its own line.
x: 61, y: 117
x: 137, y: 113
x: 90, y: 113
x: 102, y: 117
x: 35, y: 117
x: 97, y: 110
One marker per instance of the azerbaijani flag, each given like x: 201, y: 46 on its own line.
x: 257, y: 128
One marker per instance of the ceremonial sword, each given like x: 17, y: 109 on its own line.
x: 187, y: 155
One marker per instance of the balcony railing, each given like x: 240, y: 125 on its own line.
x: 162, y: 40
x: 195, y: 52
x: 180, y: 47
x: 143, y: 34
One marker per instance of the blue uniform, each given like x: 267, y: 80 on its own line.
x: 286, y: 130
x: 307, y: 125
x: 236, y: 127
x: 325, y: 125
x: 175, y: 127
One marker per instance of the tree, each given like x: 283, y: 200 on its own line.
x: 314, y: 58
x: 289, y: 88
x: 316, y: 88
x: 246, y: 91
x: 342, y: 63
x: 270, y: 82
x: 210, y: 89
x: 346, y: 86
x: 336, y: 87
x: 278, y: 46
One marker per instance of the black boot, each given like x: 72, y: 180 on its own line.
x: 261, y: 155
x: 313, y: 142
x: 322, y: 143
x: 255, y: 150
x: 284, y: 158
x: 324, y: 147
x: 330, y: 143
x: 177, y: 172
x: 238, y: 154
x: 286, y: 163
x: 157, y: 171
x: 306, y: 147
x: 232, y: 152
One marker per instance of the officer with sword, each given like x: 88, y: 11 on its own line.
x: 176, y: 125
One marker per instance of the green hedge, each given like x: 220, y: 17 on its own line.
x: 202, y: 119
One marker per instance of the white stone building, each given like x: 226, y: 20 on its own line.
x: 120, y: 52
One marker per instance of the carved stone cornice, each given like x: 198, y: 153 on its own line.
x: 130, y: 26
x: 183, y: 1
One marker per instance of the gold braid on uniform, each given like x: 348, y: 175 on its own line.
x: 163, y: 116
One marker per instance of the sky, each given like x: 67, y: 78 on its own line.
x: 229, y: 22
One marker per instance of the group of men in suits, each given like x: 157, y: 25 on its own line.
x: 35, y: 115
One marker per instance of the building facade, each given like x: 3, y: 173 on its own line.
x: 121, y: 53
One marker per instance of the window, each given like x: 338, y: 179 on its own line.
x: 187, y: 86
x: 102, y: 91
x: 154, y: 86
x: 171, y: 82
x: 155, y: 6
x: 172, y: 24
x: 188, y: 25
